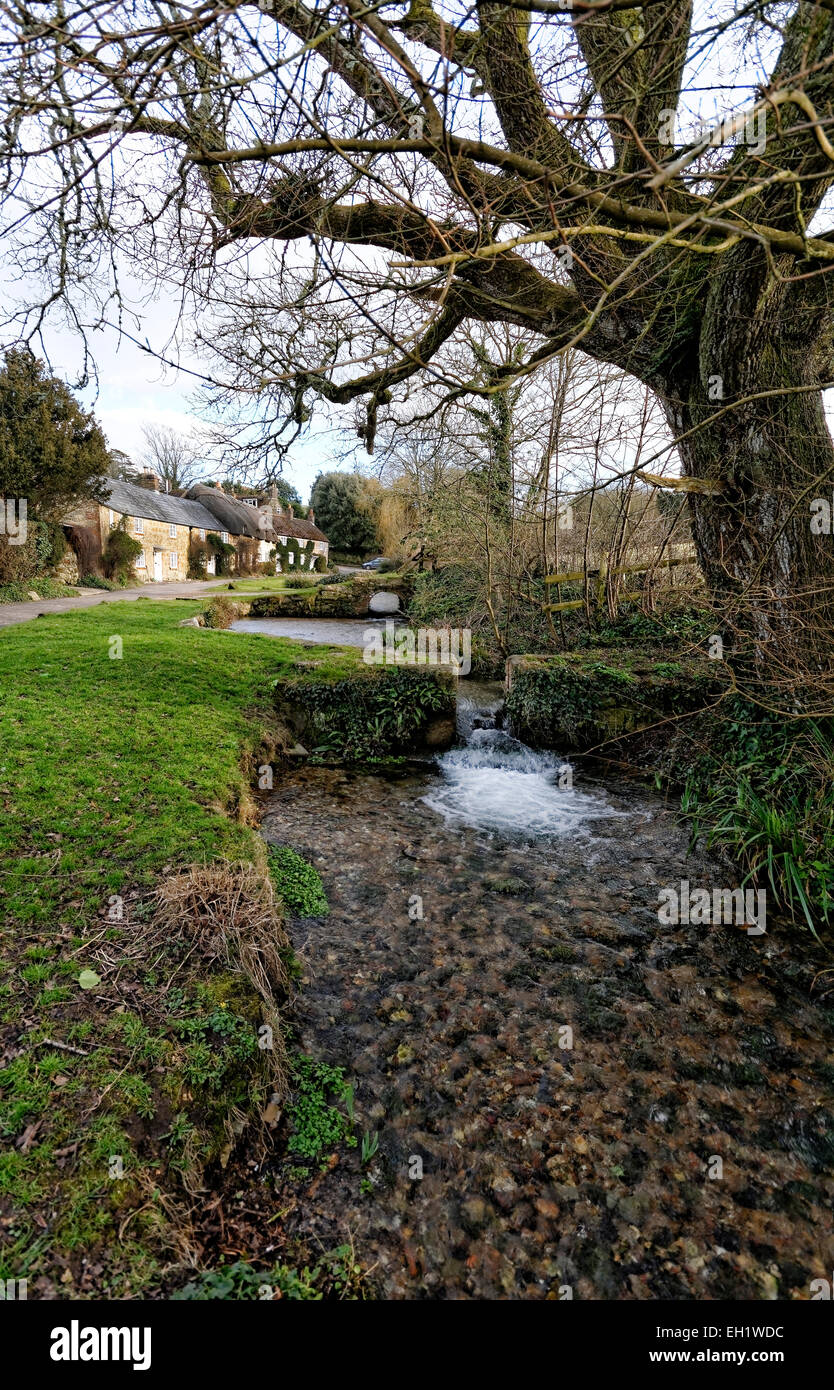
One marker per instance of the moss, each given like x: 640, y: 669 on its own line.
x: 510, y: 885
x: 581, y: 700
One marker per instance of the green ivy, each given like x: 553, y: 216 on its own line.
x: 318, y: 1126
x: 370, y: 715
x: 297, y: 883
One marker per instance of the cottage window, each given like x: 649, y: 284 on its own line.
x: 141, y: 563
x: 112, y: 518
x: 224, y: 536
x: 172, y: 530
x: 139, y: 525
x: 173, y: 560
x: 202, y: 534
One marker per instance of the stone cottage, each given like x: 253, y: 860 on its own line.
x: 262, y: 519
x: 162, y: 524
x: 165, y: 526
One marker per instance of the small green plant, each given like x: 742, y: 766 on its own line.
x: 95, y: 581
x: 318, y: 1126
x: 297, y: 883
x: 335, y: 1275
x: 120, y: 553
x: 370, y: 1146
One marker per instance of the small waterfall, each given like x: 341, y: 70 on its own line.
x: 494, y: 782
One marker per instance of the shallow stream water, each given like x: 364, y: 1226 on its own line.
x: 339, y: 632
x: 569, y: 1096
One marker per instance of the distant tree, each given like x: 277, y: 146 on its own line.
x: 170, y: 455
x: 288, y: 496
x: 121, y: 466
x: 51, y: 450
x: 345, y: 509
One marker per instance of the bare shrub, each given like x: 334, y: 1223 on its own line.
x: 230, y: 913
x: 222, y: 612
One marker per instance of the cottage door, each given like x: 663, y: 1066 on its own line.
x: 157, y: 566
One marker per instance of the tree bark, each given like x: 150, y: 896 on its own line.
x: 749, y: 418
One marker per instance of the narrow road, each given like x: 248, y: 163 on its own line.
x: 11, y: 613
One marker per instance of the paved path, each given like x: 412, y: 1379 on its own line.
x: 11, y: 613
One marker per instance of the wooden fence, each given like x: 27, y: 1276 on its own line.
x: 601, y: 576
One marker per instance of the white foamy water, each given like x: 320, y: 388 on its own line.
x: 497, y: 783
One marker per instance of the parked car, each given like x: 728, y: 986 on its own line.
x: 376, y: 564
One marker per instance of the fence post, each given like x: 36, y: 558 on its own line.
x: 602, y: 581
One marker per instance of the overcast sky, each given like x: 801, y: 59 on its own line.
x: 135, y: 389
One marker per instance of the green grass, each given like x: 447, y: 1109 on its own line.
x: 762, y: 789
x: 113, y: 774
x: 18, y: 591
x: 112, y: 769
x: 276, y: 584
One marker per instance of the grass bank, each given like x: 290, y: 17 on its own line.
x: 20, y: 590
x: 133, y: 993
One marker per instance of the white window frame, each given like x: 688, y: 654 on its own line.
x: 141, y: 562
x: 202, y: 533
x: 224, y: 536
x: 172, y: 530
x: 139, y: 525
x: 173, y: 560
x: 112, y: 518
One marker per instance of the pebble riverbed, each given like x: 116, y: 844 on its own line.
x: 682, y: 1147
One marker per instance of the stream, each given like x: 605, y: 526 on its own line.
x: 571, y: 1099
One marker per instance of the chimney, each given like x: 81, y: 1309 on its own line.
x: 219, y: 487
x: 311, y: 516
x: 273, y: 498
x: 148, y: 480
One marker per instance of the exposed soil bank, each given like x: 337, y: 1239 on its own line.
x: 546, y: 1167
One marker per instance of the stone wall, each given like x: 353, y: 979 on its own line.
x: 154, y: 535
x: 348, y: 598
x: 600, y: 700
